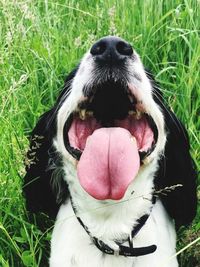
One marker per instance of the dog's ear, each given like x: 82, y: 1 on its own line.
x: 177, y: 168
x: 44, y: 187
x: 41, y: 163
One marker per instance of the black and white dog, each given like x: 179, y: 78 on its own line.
x: 119, y: 162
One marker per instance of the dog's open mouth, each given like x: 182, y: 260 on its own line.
x: 110, y: 137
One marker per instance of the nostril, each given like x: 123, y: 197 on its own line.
x: 111, y: 50
x: 124, y: 49
x: 98, y: 48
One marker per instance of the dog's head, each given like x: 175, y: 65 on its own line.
x: 109, y: 120
x: 109, y: 130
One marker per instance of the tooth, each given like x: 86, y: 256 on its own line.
x: 82, y: 114
x: 89, y: 113
x: 133, y: 139
x: 138, y: 114
x: 147, y: 160
x: 131, y: 112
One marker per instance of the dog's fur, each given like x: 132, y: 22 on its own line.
x: 50, y: 167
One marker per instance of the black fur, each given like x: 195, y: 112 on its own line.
x: 176, y: 167
x: 37, y: 186
x: 42, y: 163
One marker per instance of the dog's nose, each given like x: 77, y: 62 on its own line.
x: 111, y: 50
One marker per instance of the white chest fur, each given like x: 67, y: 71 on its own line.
x: 71, y: 246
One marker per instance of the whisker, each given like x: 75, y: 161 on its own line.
x: 146, y: 197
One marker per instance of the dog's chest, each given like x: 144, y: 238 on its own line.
x: 72, y: 247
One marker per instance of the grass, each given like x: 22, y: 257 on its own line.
x: 43, y: 40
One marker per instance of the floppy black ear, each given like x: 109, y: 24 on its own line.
x: 177, y: 167
x: 41, y: 163
x: 44, y: 187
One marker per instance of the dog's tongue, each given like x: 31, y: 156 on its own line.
x: 109, y: 163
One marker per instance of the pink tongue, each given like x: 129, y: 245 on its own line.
x: 109, y: 163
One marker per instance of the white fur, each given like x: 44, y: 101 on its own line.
x: 110, y: 220
x: 71, y: 245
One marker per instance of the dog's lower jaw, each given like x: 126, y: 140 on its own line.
x: 71, y: 246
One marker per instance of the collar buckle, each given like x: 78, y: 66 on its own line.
x: 116, y: 252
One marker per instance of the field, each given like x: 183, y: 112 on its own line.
x: 41, y: 41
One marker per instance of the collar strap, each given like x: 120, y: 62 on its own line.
x: 122, y: 250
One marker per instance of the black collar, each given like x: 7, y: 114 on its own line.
x: 122, y: 250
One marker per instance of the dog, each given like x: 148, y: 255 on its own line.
x: 113, y: 161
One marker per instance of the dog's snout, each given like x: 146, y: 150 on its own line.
x: 111, y: 50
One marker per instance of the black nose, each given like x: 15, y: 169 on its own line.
x: 111, y: 50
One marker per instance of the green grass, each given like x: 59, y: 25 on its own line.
x: 41, y: 41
